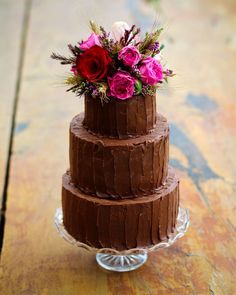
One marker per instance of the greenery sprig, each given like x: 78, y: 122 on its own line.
x: 149, y: 40
x: 64, y: 60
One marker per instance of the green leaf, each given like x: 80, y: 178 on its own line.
x: 138, y: 86
x: 162, y: 46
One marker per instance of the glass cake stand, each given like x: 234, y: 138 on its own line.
x: 122, y: 261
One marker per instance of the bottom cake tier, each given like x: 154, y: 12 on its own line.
x: 121, y: 224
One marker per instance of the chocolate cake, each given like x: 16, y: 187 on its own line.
x: 119, y: 191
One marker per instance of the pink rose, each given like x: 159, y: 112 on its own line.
x: 92, y: 40
x: 121, y: 85
x: 151, y: 71
x: 129, y: 55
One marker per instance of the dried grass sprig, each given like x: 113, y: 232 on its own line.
x: 74, y: 50
x: 94, y: 27
x: 129, y: 35
x: 64, y: 60
x: 74, y: 80
x: 149, y: 40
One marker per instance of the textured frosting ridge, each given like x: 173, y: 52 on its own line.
x: 119, y: 168
x: 121, y: 224
x: 120, y: 118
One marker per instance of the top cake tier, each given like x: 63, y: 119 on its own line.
x: 120, y: 118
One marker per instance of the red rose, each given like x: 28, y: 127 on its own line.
x: 94, y: 63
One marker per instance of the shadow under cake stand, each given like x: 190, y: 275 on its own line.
x: 127, y: 260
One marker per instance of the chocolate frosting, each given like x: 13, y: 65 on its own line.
x: 121, y: 224
x: 119, y: 168
x: 119, y: 192
x: 120, y: 118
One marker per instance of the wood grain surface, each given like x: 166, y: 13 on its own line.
x: 10, y: 32
x: 200, y: 105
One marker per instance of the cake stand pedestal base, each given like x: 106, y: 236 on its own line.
x: 121, y: 263
x: 127, y: 260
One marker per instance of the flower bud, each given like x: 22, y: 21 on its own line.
x: 118, y: 29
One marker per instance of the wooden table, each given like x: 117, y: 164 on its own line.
x: 35, y: 113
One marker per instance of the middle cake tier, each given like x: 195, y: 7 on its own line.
x: 115, y: 168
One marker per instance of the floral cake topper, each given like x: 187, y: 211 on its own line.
x: 116, y: 64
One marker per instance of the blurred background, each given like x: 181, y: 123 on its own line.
x: 35, y: 112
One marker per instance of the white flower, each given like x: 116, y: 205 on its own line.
x: 118, y: 30
x: 158, y: 56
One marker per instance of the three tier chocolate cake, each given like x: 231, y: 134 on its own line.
x: 119, y: 191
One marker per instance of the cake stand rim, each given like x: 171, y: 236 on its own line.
x: 181, y: 228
